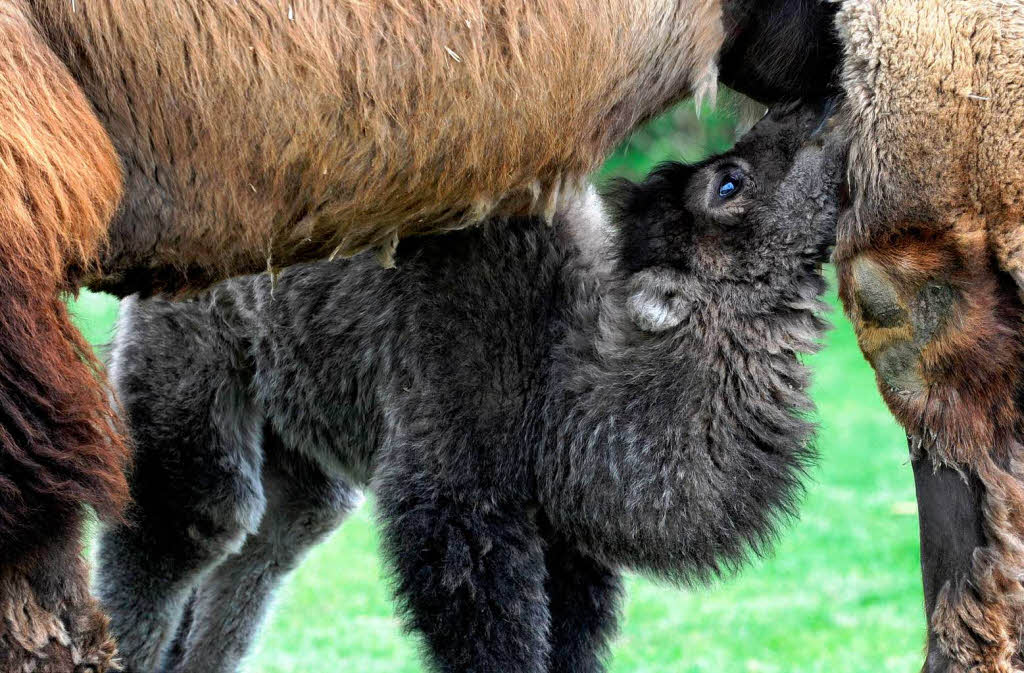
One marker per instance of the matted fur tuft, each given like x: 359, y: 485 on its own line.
x: 49, y: 623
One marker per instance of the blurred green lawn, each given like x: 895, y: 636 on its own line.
x: 841, y: 594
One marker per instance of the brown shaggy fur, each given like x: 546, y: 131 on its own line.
x: 935, y: 110
x: 48, y: 621
x: 256, y: 134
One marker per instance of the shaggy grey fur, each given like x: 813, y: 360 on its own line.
x: 535, y: 407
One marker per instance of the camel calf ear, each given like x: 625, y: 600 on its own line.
x: 656, y: 301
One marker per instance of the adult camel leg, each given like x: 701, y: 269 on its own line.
x: 951, y: 524
x: 60, y: 447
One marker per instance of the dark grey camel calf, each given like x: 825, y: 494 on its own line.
x: 535, y: 407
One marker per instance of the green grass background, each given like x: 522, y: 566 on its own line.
x: 841, y: 593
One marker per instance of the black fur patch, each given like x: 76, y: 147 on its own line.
x: 653, y: 220
x: 779, y: 50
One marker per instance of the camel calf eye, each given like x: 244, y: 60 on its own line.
x: 730, y: 186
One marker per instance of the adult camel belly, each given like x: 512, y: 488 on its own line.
x: 254, y: 135
x: 257, y: 134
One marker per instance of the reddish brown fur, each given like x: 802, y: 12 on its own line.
x: 59, y: 185
x: 935, y: 107
x: 59, y: 446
